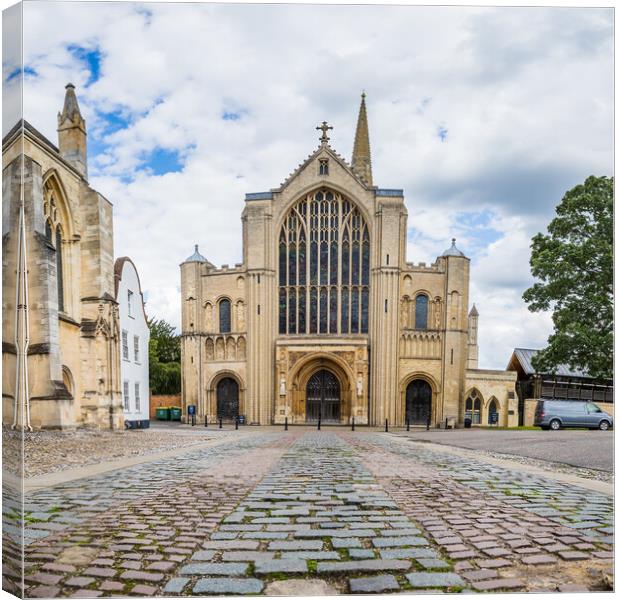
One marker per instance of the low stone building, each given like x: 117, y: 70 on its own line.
x: 325, y: 318
x: 60, y: 323
x: 135, y: 334
x: 564, y: 384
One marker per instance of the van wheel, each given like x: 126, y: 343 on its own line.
x: 555, y: 424
x: 603, y: 425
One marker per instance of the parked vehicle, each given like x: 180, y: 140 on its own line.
x: 558, y: 414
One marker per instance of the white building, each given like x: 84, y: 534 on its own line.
x: 134, y: 344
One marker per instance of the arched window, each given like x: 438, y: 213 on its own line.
x: 472, y: 406
x: 421, y: 311
x: 224, y: 316
x: 324, y: 267
x: 493, y: 418
x: 59, y: 274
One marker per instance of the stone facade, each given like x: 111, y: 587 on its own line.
x: 397, y: 342
x: 73, y: 348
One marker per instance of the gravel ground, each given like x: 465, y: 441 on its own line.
x: 53, y: 451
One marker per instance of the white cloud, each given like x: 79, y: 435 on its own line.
x: 524, y: 94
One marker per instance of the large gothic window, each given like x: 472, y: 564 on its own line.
x: 324, y: 267
x: 421, y: 311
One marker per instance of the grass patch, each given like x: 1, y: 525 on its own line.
x: 312, y: 565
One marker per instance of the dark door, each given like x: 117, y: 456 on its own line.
x: 418, y: 402
x: 227, y: 399
x: 323, y: 397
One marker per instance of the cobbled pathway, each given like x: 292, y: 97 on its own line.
x: 311, y: 512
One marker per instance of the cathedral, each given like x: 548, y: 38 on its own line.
x: 326, y: 320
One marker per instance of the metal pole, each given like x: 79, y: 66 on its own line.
x: 237, y: 422
x: 353, y: 424
x: 408, y: 426
x: 446, y: 427
x: 220, y: 422
x: 193, y: 420
x: 319, y: 422
x: 428, y: 422
x: 206, y: 420
x: 285, y: 423
x: 386, y: 425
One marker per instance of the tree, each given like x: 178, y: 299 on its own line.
x: 574, y: 263
x: 164, y: 358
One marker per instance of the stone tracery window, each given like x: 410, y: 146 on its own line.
x: 472, y: 406
x: 225, y: 320
x: 324, y: 267
x: 421, y: 311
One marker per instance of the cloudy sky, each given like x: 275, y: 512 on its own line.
x: 485, y: 116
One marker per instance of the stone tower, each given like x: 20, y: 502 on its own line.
x: 72, y: 132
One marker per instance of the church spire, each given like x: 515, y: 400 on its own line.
x: 72, y: 132
x: 360, y: 163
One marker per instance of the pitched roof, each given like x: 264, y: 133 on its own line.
x: 524, y: 357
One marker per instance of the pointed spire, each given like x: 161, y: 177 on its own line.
x: 71, y: 108
x: 360, y: 163
x: 474, y: 311
x: 72, y: 132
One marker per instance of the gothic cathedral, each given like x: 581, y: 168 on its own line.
x: 325, y: 318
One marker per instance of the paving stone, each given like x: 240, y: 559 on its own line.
x: 363, y: 553
x: 300, y: 587
x: 394, y: 542
x: 227, y: 585
x: 111, y: 586
x: 141, y: 575
x: 346, y: 543
x: 231, y: 545
x: 572, y: 587
x: 44, y: 591
x: 373, y: 585
x: 408, y: 553
x: 574, y: 555
x: 430, y: 580
x: 203, y: 555
x: 228, y: 568
x: 539, y: 559
x: 433, y: 563
x: 143, y: 590
x: 312, y: 555
x: 85, y: 593
x: 100, y: 572
x: 282, y: 565
x: 363, y: 565
x: 497, y: 584
x: 296, y: 545
x: 246, y: 555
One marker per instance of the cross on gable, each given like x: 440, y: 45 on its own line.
x: 324, y: 127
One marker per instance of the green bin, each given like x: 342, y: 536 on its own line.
x: 175, y: 413
x: 162, y: 413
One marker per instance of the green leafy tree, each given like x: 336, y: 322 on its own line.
x: 574, y: 266
x: 164, y: 358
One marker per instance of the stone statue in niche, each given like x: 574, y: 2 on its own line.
x: 282, y: 387
x: 404, y: 312
x: 241, y: 316
x: 209, y: 317
x: 360, y: 385
x: 437, y: 313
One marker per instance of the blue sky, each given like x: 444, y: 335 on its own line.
x: 484, y: 116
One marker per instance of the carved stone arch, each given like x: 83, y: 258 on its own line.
x: 231, y: 348
x: 68, y: 380
x: 209, y: 328
x: 220, y: 349
x: 240, y: 314
x: 302, y: 370
x: 432, y: 407
x: 210, y: 349
x: 211, y: 408
x: 241, y: 348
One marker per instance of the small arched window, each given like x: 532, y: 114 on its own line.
x: 421, y: 311
x: 59, y: 274
x: 472, y: 407
x: 225, y: 316
x: 493, y: 417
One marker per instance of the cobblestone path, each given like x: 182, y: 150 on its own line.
x: 312, y: 513
x: 500, y: 528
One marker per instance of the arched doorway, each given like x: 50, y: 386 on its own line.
x: 418, y: 402
x: 227, y: 398
x: 323, y: 397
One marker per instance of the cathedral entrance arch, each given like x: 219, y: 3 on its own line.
x: 227, y: 398
x: 323, y: 397
x: 418, y: 402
